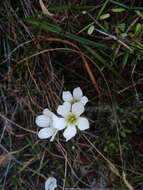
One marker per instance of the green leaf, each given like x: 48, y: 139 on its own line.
x: 60, y: 32
x: 139, y: 13
x: 118, y: 10
x: 138, y: 29
x: 90, y: 29
x: 104, y: 16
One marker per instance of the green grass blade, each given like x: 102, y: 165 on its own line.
x: 101, y: 60
x: 57, y: 30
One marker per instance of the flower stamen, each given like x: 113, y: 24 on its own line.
x: 71, y: 119
x: 75, y: 101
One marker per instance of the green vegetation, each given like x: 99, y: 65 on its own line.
x: 43, y: 54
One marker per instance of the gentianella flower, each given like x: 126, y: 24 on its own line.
x: 76, y: 96
x: 71, y: 119
x: 45, y: 121
x: 51, y: 183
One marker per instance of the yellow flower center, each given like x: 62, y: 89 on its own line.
x: 71, y: 119
x: 75, y: 101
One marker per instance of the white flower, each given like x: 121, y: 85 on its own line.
x: 45, y: 121
x: 76, y: 97
x: 51, y: 183
x: 70, y: 119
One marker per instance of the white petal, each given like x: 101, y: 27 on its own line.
x: 47, y: 112
x: 70, y: 132
x: 67, y: 96
x: 50, y: 114
x: 51, y: 183
x: 77, y: 93
x: 78, y: 108
x: 42, y: 121
x: 59, y: 123
x: 83, y: 123
x: 46, y: 133
x: 84, y: 100
x: 64, y: 109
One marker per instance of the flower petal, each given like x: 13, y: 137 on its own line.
x: 84, y: 100
x: 46, y: 133
x: 42, y: 121
x: 70, y: 132
x: 64, y: 109
x: 51, y: 183
x: 67, y: 96
x: 59, y: 123
x: 78, y: 108
x: 77, y: 93
x: 47, y: 112
x: 83, y: 123
x: 50, y: 114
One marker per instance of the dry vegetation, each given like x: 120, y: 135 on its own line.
x: 44, y: 53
